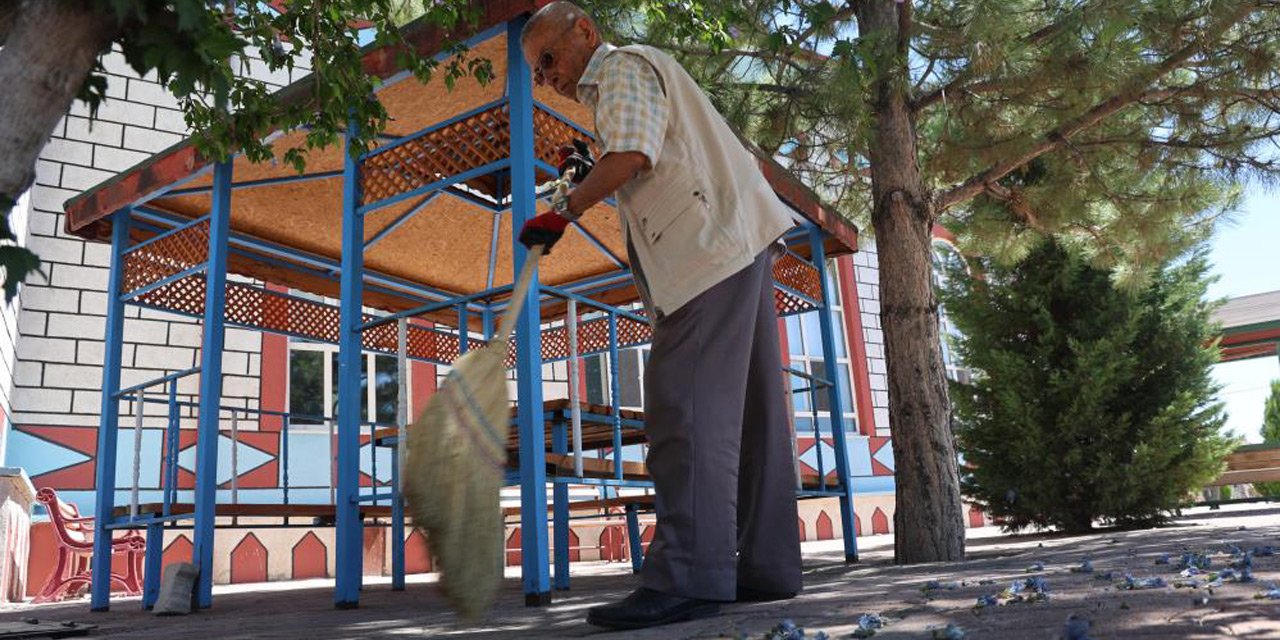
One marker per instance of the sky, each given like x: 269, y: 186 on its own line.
x: 1243, y: 253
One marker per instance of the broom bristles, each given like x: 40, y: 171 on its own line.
x: 455, y: 457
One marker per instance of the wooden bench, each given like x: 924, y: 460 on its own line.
x: 597, y: 426
x: 1251, y: 463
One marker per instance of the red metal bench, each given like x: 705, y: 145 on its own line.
x: 74, y: 535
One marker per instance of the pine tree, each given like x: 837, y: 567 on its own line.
x: 1090, y: 401
x: 1271, y: 435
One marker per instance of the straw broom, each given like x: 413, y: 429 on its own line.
x: 456, y: 452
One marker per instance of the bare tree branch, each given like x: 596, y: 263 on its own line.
x: 1137, y: 90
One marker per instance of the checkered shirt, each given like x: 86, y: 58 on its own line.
x: 630, y: 107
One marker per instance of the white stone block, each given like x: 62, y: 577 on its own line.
x: 91, y: 352
x: 78, y: 277
x: 125, y: 112
x: 86, y: 401
x: 255, y: 364
x: 83, y: 178
x: 62, y: 325
x: 243, y: 340
x: 868, y: 275
x: 51, y: 200
x: 149, y: 140
x: 60, y: 418
x: 33, y: 323
x: 176, y: 358
x: 50, y: 299
x: 240, y: 386
x: 73, y: 376
x: 146, y: 331
x: 152, y: 93
x: 46, y: 349
x: 43, y: 223
x: 880, y: 398
x: 878, y: 382
x: 57, y: 249
x: 874, y: 335
x: 29, y: 373
x: 114, y: 63
x: 875, y: 352
x: 171, y: 121
x: 865, y: 291
x: 69, y: 151
x: 48, y: 173
x: 871, y: 306
x: 40, y: 399
x: 876, y: 365
x: 185, y: 334
x: 116, y: 160
x: 94, y: 131
x: 235, y: 362
x: 97, y: 254
x: 93, y: 303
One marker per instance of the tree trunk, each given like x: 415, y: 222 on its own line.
x: 928, y: 517
x: 48, y: 51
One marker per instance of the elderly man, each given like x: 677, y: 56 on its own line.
x: 699, y: 221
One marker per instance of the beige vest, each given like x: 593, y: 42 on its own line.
x: 704, y: 211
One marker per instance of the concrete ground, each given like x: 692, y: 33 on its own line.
x: 836, y: 595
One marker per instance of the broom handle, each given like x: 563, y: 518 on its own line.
x: 517, y: 296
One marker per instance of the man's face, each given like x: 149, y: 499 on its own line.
x: 558, y: 54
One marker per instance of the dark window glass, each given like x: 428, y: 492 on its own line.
x: 819, y: 370
x: 364, y: 386
x: 387, y: 388
x: 306, y: 386
x: 629, y: 378
x: 594, y: 374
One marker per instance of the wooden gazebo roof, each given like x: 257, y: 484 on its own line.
x: 458, y: 243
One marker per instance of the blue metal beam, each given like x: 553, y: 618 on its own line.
x: 535, y: 571
x: 349, y: 550
x: 828, y: 330
x: 211, y: 384
x: 105, y: 473
x: 401, y: 219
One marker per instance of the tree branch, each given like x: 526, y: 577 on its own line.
x: 1136, y: 91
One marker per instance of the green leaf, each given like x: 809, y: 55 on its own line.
x: 16, y: 264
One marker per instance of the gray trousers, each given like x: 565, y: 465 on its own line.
x: 719, y: 445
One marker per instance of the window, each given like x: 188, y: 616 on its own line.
x: 804, y: 344
x: 946, y: 259
x: 313, y: 384
x: 631, y: 366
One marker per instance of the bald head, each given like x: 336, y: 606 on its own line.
x: 557, y: 16
x: 558, y: 42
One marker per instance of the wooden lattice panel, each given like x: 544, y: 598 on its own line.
x: 469, y: 143
x: 593, y: 337
x: 799, y: 276
x: 165, y: 257
x: 447, y: 151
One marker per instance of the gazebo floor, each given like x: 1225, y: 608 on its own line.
x: 835, y: 596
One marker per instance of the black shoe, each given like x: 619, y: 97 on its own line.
x: 747, y: 594
x: 648, y: 608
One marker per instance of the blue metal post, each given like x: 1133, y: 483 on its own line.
x: 209, y: 419
x: 535, y: 570
x: 349, y: 532
x: 560, y: 506
x: 151, y: 565
x: 633, y: 537
x: 828, y: 330
x: 105, y: 500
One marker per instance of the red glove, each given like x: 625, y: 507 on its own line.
x: 545, y: 229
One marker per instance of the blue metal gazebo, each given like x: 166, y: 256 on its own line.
x: 415, y: 240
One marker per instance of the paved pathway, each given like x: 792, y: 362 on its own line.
x: 836, y: 595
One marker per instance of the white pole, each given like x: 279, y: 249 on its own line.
x: 137, y: 453
x: 333, y: 499
x: 402, y: 400
x: 235, y: 457
x: 575, y: 412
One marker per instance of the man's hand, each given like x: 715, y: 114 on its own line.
x: 545, y: 229
x: 577, y: 157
